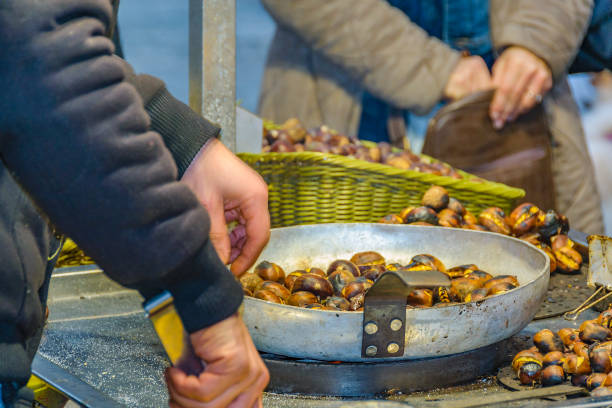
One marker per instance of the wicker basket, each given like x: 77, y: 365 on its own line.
x: 314, y: 188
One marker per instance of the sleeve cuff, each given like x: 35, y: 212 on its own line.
x: 183, y: 130
x: 208, y: 294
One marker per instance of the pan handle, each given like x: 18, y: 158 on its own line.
x: 384, y: 311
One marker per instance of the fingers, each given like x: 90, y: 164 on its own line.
x: 539, y: 85
x: 470, y: 75
x: 257, y: 224
x: 218, y: 229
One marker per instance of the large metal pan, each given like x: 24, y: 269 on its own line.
x: 438, y: 331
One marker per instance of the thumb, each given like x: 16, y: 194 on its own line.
x: 218, y: 230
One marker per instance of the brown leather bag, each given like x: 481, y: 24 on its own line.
x: 518, y: 155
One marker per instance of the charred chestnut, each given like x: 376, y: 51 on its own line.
x: 553, y: 224
x: 342, y: 264
x: 276, y: 288
x: 391, y: 219
x: 460, y: 271
x: 476, y: 295
x: 601, y: 361
x: 547, y: 341
x: 478, y: 275
x: 441, y: 295
x: 493, y: 218
x: 590, y: 332
x: 292, y: 277
x: 373, y: 273
x: 461, y: 287
x: 365, y: 260
x: 422, y: 214
x: 568, y: 259
x: 579, y: 380
x: 427, y: 260
x: 314, y: 284
x: 595, y: 380
x: 456, y: 206
x: 250, y: 281
x: 338, y: 302
x: 553, y: 358
x: 268, y: 295
x: 569, y: 336
x: 339, y: 280
x: 449, y: 218
x: 524, y: 218
x: 436, y: 198
x: 501, y: 287
x: 529, y: 373
x: 357, y: 302
x: 355, y: 288
x: 270, y: 271
x: 404, y: 213
x: 420, y: 297
x: 301, y: 298
x: 552, y: 375
x: 525, y: 356
x: 501, y: 278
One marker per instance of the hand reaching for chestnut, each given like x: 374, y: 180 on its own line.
x: 521, y: 79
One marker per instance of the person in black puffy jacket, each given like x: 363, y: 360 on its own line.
x: 111, y: 159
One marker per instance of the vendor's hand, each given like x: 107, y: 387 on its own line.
x: 521, y: 79
x: 231, y: 191
x: 235, y: 376
x: 470, y: 75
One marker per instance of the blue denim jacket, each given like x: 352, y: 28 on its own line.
x: 462, y: 24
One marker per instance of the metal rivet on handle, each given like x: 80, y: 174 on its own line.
x: 392, y: 348
x: 371, y: 351
x: 396, y: 324
x: 371, y: 328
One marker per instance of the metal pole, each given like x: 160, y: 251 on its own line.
x: 212, y: 63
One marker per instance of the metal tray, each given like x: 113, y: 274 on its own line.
x: 438, y: 331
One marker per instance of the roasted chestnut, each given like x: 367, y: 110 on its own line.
x: 436, y: 198
x: 291, y: 278
x: 501, y: 278
x: 581, y: 349
x: 551, y: 256
x: 282, y: 146
x: 357, y: 302
x: 420, y: 297
x: 339, y: 279
x: 529, y: 372
x: 478, y: 275
x: 393, y: 267
x: 427, y: 260
x: 422, y: 214
x: 268, y: 295
x: 301, y: 298
x: 476, y: 295
x: 270, y: 271
x: 595, y: 380
x: 354, y: 288
x: 365, y: 260
x: 579, y: 380
x: 317, y: 271
x: 441, y: 295
x: 276, y: 288
x: 525, y: 356
x: 373, y: 273
x: 601, y: 391
x: 342, y: 264
x: 398, y: 161
x: 403, y: 214
x: 524, y: 218
x: 568, y: 259
x: 456, y: 206
x: 493, y: 218
x: 553, y: 224
x: 318, y: 306
x: 338, y: 302
x: 590, y: 332
x: 547, y: 341
x: 449, y: 218
x: 313, y: 283
x: 474, y: 227
x: 250, y: 281
x: 461, y: 287
x: 553, y: 358
x: 605, y: 318
x: 501, y: 287
x: 460, y: 271
x: 469, y: 219
x: 552, y: 375
x: 568, y: 336
x: 534, y: 238
x: 577, y: 365
x: 601, y: 361
x: 391, y: 219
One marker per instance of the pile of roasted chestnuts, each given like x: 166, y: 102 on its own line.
x: 343, y: 285
x: 546, y: 230
x: 583, y: 356
x: 292, y: 136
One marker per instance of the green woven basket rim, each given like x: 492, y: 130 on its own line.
x: 327, y: 159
